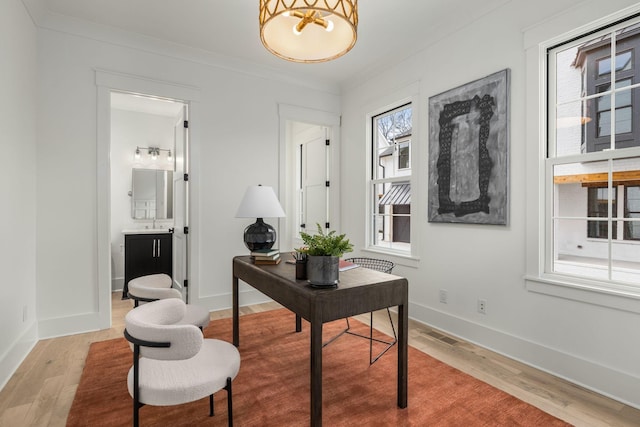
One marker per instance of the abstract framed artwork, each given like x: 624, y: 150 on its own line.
x: 468, y: 152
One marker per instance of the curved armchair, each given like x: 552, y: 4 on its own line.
x: 385, y: 266
x: 154, y: 287
x: 172, y: 362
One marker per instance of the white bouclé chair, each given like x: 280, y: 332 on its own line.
x: 172, y: 362
x: 154, y: 287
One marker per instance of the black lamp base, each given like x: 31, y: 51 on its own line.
x: 259, y: 235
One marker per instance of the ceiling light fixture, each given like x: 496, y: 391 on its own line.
x: 308, y: 30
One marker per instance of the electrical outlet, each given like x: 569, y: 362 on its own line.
x: 482, y: 306
x: 24, y: 313
x: 443, y: 296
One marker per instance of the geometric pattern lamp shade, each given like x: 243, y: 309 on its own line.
x: 308, y: 30
x: 259, y: 202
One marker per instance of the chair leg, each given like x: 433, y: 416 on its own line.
x: 136, y: 386
x: 370, y: 337
x: 389, y: 343
x: 136, y: 416
x: 339, y: 334
x: 211, y: 405
x: 229, y: 402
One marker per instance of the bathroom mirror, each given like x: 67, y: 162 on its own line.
x: 152, y: 194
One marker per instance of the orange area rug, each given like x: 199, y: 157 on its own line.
x: 272, y: 388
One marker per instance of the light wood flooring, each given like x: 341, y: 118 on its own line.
x: 41, y: 391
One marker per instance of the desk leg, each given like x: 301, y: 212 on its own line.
x: 316, y: 373
x: 236, y: 321
x: 403, y: 336
x: 298, y: 323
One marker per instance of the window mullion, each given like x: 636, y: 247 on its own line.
x: 612, y: 125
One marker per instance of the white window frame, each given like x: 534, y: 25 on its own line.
x: 539, y: 277
x: 412, y: 178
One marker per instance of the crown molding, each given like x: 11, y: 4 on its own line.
x: 44, y: 19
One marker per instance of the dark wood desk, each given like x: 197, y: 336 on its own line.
x: 360, y: 291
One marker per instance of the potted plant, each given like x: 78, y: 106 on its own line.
x: 323, y: 251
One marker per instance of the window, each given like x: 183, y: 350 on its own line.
x: 598, y: 207
x: 391, y: 179
x: 593, y: 60
x: 592, y: 164
x: 632, y: 210
x: 404, y: 155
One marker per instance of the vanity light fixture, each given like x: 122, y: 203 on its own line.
x: 154, y: 152
x: 308, y: 30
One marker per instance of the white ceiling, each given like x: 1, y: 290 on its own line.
x: 388, y: 30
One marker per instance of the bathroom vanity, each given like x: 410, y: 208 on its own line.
x: 146, y: 251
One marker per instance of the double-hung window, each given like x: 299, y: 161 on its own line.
x: 391, y: 180
x: 592, y: 164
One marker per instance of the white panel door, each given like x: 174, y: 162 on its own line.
x: 180, y: 206
x: 314, y: 177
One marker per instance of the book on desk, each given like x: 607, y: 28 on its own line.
x: 266, y: 256
x: 346, y: 265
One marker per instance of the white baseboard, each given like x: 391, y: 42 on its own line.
x: 224, y: 301
x: 16, y: 353
x: 63, y: 326
x: 117, y: 284
x: 601, y: 379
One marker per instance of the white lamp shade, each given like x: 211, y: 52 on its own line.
x: 330, y: 33
x: 260, y: 202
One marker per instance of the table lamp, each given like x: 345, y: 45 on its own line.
x: 259, y: 202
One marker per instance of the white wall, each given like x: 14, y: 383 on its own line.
x: 234, y: 129
x: 17, y: 186
x: 235, y: 133
x: 129, y: 130
x: 586, y: 343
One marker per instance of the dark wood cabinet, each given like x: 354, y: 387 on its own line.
x: 146, y: 254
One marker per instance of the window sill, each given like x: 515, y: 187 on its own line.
x: 399, y: 258
x: 619, y: 297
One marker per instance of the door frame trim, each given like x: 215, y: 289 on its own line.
x: 327, y: 119
x: 107, y: 82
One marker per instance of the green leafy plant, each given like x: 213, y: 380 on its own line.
x: 325, y: 244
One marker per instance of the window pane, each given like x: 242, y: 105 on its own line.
x: 625, y: 266
x: 575, y: 255
x: 623, y: 120
x: 632, y: 211
x: 571, y: 122
x: 604, y: 122
x: 632, y: 228
x: 569, y: 79
x: 623, y: 63
x: 403, y: 156
x: 392, y: 219
x: 388, y: 129
x: 598, y: 207
x: 581, y: 191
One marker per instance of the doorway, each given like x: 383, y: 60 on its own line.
x: 143, y: 90
x: 310, y: 175
x: 147, y: 147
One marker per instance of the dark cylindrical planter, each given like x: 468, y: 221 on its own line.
x: 323, y: 270
x: 301, y: 269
